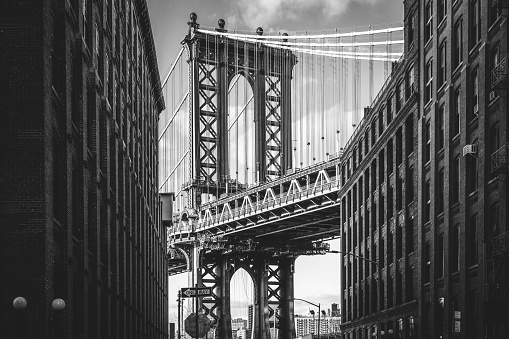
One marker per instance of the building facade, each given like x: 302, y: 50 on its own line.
x: 309, y: 325
x: 424, y: 201
x: 79, y: 207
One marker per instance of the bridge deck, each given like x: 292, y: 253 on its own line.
x: 303, y: 205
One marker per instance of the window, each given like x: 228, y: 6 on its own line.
x: 455, y: 117
x: 427, y: 133
x: 440, y: 187
x: 472, y: 171
x: 410, y: 185
x: 389, y: 107
x: 427, y: 262
x: 494, y: 58
x: 410, y: 82
x: 440, y: 257
x: 428, y: 79
x: 373, y: 132
x: 455, y: 249
x: 472, y: 241
x: 390, y: 156
x: 399, y: 146
x: 410, y: 29
x: 442, y: 60
x: 493, y: 221
x: 472, y: 314
x: 427, y: 201
x: 381, y: 255
x: 442, y: 10
x: 493, y: 146
x: 390, y: 202
x: 409, y: 132
x: 380, y: 123
x: 475, y: 93
x: 409, y: 235
x: 457, y: 46
x: 475, y: 25
x: 455, y: 178
x: 440, y: 127
x: 399, y: 242
x: 428, y: 19
x: 84, y: 26
x: 400, y: 96
x: 493, y: 11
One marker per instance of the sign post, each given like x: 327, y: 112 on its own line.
x: 196, y: 320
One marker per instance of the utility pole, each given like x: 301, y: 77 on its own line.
x: 178, y: 310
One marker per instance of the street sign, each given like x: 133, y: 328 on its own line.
x: 203, y: 325
x: 193, y: 292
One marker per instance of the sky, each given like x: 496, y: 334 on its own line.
x: 316, y: 277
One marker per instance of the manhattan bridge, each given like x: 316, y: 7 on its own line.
x: 250, y: 152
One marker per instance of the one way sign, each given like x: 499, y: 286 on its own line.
x: 192, y: 292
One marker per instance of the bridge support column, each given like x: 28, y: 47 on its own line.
x: 286, y: 315
x: 273, y: 282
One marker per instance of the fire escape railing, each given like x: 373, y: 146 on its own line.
x: 499, y: 244
x: 499, y: 74
x: 500, y: 158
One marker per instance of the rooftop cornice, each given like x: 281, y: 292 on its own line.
x: 148, y: 40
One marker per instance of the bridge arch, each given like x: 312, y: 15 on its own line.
x: 241, y: 128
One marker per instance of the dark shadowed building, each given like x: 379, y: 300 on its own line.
x: 425, y: 199
x: 79, y: 207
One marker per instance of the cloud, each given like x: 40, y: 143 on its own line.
x: 269, y: 13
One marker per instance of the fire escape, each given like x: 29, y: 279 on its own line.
x: 496, y: 291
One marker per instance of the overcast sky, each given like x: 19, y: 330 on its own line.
x: 316, y: 278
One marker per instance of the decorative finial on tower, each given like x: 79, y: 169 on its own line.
x: 221, y: 23
x: 259, y: 31
x: 192, y: 25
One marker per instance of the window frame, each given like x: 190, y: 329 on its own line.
x: 428, y: 81
x: 428, y: 22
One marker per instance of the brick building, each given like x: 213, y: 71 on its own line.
x: 424, y: 199
x: 79, y: 207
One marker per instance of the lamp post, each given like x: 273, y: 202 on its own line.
x: 315, y: 305
x: 379, y: 285
x: 178, y: 316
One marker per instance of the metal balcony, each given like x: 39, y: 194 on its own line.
x: 499, y: 244
x: 499, y: 79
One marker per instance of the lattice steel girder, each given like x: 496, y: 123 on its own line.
x: 308, y: 193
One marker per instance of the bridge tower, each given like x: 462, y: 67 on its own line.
x: 214, y: 60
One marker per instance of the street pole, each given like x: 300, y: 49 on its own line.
x: 379, y: 288
x: 178, y: 326
x: 196, y: 311
x: 319, y: 314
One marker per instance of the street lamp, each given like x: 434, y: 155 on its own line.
x: 318, y: 312
x: 19, y: 303
x: 379, y: 285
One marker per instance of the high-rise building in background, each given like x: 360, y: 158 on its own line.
x: 335, y: 312
x: 309, y: 325
x: 79, y: 207
x: 425, y: 195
